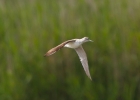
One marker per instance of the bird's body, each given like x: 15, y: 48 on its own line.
x: 74, y: 44
x: 77, y: 45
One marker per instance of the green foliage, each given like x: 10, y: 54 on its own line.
x: 28, y: 28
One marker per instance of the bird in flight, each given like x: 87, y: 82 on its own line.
x: 77, y: 45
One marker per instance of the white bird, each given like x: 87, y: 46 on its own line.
x: 77, y: 45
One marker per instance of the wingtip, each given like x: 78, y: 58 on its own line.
x: 45, y: 55
x: 91, y: 79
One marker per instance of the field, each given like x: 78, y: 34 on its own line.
x: 29, y: 28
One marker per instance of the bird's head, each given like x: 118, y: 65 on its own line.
x: 86, y: 39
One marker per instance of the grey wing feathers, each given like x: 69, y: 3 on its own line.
x: 83, y: 58
x: 53, y: 50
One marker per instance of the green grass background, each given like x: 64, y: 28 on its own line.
x: 28, y: 28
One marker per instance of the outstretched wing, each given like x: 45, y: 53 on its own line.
x: 83, y: 58
x: 53, y: 50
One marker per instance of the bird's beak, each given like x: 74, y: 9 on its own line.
x: 90, y: 40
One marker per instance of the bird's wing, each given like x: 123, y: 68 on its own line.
x: 83, y: 58
x: 53, y: 50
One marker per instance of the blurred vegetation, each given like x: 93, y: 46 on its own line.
x: 28, y: 28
